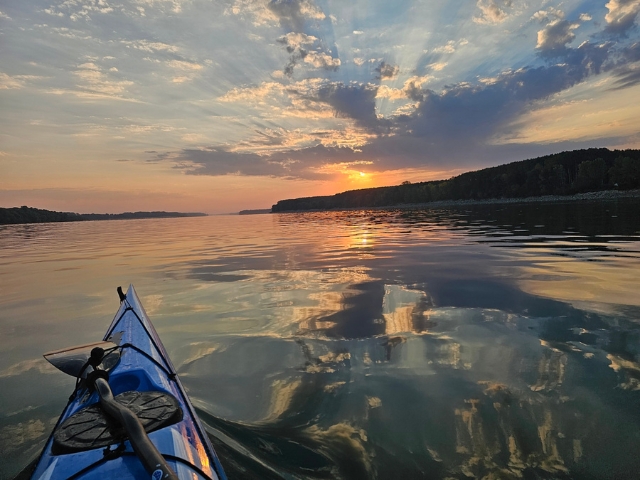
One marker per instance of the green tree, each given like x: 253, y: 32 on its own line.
x: 558, y: 179
x: 625, y: 172
x: 591, y: 174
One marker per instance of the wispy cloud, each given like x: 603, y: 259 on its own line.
x: 548, y: 15
x: 493, y: 11
x: 80, y: 10
x: 186, y: 70
x: 95, y: 82
x: 253, y: 94
x: 290, y: 14
x: 150, y: 46
x: 8, y: 82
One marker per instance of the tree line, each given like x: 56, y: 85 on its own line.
x: 564, y: 173
x: 36, y: 215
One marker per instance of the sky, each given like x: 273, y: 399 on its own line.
x: 217, y: 106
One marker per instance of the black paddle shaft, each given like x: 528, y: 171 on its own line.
x: 152, y: 460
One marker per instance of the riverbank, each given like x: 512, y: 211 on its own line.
x: 23, y: 215
x: 604, y: 195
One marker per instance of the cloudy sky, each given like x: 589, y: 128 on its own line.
x: 216, y: 106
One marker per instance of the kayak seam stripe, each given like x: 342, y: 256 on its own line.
x: 160, y: 352
x: 96, y: 464
x: 182, y: 460
x: 170, y: 375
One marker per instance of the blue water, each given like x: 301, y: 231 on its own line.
x: 496, y: 341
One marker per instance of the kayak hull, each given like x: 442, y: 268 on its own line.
x: 144, y: 366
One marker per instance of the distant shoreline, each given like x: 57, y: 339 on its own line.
x: 259, y: 211
x: 604, y: 195
x: 29, y: 215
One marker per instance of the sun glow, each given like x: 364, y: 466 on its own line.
x: 357, y: 176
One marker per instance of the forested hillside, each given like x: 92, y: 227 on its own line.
x: 563, y: 173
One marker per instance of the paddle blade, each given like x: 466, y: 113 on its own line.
x: 71, y: 360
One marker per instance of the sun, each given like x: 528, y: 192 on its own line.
x: 357, y: 179
x: 357, y: 176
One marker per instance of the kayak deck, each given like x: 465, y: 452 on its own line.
x: 144, y: 366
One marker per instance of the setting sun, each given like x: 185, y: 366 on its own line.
x: 356, y: 177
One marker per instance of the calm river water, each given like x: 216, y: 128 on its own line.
x: 495, y: 341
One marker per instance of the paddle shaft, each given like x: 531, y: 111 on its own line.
x: 152, y: 460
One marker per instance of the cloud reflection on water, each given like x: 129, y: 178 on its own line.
x: 494, y: 372
x: 497, y: 341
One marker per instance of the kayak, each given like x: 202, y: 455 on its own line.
x: 129, y: 416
